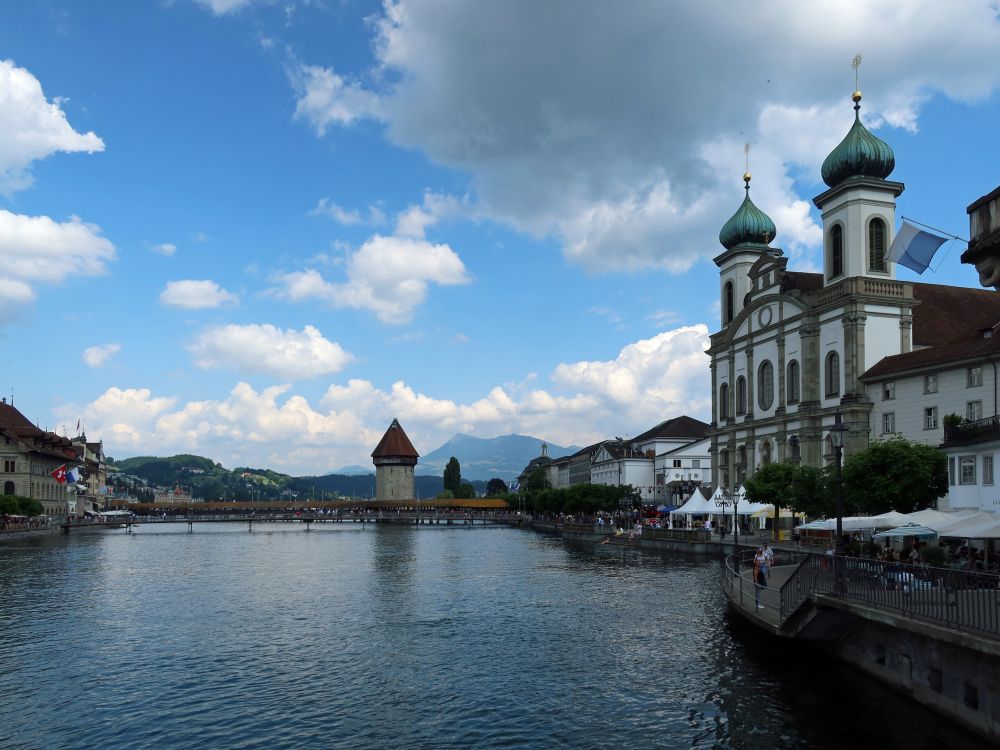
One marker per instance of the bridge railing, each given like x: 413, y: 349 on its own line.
x: 774, y: 603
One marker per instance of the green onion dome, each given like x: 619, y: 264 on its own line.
x: 860, y: 154
x: 749, y: 225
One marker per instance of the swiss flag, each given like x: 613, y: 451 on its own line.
x: 60, y: 474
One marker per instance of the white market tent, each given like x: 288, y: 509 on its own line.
x: 976, y: 526
x: 857, y: 523
x: 698, y: 505
x: 936, y: 519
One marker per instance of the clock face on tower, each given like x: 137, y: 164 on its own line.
x: 764, y: 316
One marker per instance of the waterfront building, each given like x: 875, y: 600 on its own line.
x: 176, y: 496
x: 795, y: 349
x: 634, y: 461
x: 394, y: 458
x: 95, y: 472
x: 28, y: 458
x: 678, y: 472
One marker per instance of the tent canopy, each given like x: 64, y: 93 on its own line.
x: 909, y: 529
x: 976, y: 526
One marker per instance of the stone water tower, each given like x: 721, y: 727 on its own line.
x: 394, y: 459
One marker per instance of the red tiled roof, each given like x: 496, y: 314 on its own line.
x: 805, y: 282
x: 683, y: 427
x: 950, y: 322
x: 17, y: 425
x: 395, y: 443
x: 968, y: 347
x: 949, y: 312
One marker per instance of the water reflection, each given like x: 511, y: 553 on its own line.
x: 411, y: 637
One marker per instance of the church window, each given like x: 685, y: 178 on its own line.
x: 765, y: 384
x: 832, y: 374
x: 724, y: 401
x: 741, y: 395
x: 793, y: 382
x: 876, y: 245
x: 730, y: 302
x: 836, y: 251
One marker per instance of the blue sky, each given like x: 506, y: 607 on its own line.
x: 259, y: 231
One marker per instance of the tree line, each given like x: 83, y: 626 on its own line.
x: 893, y: 474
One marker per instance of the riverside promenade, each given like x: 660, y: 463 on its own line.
x: 931, y: 633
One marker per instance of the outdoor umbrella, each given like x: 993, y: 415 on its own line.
x: 910, y: 529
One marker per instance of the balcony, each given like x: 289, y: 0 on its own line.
x: 966, y: 433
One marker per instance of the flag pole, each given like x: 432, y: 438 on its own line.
x: 935, y: 229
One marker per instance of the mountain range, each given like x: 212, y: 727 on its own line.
x: 480, y: 458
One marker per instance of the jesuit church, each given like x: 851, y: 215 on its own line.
x: 796, y: 349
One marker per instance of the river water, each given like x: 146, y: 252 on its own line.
x: 401, y: 637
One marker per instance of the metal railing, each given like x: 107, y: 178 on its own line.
x: 774, y: 603
x: 960, y: 599
x: 968, y: 601
x: 972, y: 432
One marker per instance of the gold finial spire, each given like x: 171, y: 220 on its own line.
x: 856, y: 63
x: 746, y: 174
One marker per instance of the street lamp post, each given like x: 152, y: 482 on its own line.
x: 837, y: 438
x: 725, y: 500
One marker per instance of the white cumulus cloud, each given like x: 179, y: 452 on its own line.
x: 285, y: 354
x: 648, y: 381
x: 640, y: 161
x: 196, y: 294
x: 388, y: 276
x: 37, y: 250
x: 32, y: 127
x: 96, y: 356
x: 165, y: 248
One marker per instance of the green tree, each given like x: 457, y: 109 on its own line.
x: 465, y: 491
x: 496, y: 486
x: 453, y: 476
x: 536, y: 481
x: 15, y: 505
x: 895, y: 474
x: 804, y: 489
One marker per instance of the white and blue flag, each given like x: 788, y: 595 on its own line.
x: 914, y: 248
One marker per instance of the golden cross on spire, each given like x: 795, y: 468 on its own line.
x: 856, y: 63
x: 746, y: 174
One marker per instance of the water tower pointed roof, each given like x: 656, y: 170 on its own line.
x: 395, y: 443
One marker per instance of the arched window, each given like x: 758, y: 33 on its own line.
x: 836, y: 251
x: 741, y: 395
x: 832, y: 374
x: 793, y: 382
x: 876, y: 245
x: 8, y: 488
x: 729, y: 303
x: 794, y: 449
x: 724, y: 401
x: 765, y: 384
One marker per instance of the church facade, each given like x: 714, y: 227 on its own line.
x: 792, y: 348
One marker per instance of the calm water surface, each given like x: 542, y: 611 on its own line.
x: 405, y: 638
